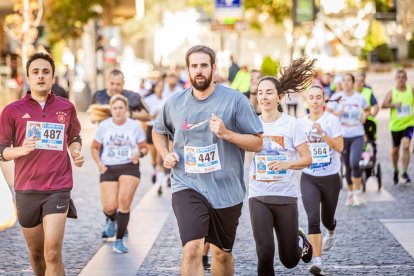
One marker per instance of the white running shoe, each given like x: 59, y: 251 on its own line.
x: 316, y: 267
x: 357, y: 198
x: 328, y: 240
x: 349, y: 199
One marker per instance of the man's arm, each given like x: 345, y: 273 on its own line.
x: 11, y: 153
x: 161, y: 144
x: 141, y: 115
x: 387, y: 101
x: 76, y: 154
x: 248, y: 142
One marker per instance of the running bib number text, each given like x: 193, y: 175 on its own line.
x: 320, y: 153
x: 117, y: 154
x: 50, y: 135
x: 201, y: 159
x: 404, y: 111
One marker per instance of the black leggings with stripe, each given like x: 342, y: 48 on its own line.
x: 283, y: 218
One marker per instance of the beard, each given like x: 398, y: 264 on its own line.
x: 203, y: 85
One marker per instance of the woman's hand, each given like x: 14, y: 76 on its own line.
x: 279, y: 165
x: 102, y: 168
x: 135, y: 157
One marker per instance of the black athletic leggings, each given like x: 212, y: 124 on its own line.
x: 283, y: 218
x: 351, y: 155
x: 320, y: 193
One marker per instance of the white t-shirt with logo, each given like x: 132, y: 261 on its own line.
x: 119, y: 142
x: 354, y: 107
x: 325, y: 161
x: 280, y: 138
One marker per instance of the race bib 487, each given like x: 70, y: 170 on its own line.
x: 50, y: 135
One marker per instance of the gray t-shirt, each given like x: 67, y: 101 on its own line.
x: 187, y: 120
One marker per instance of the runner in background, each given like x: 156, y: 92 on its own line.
x: 123, y: 143
x: 273, y: 189
x: 401, y: 102
x: 255, y: 76
x: 155, y: 102
x: 352, y: 110
x: 320, y: 183
x: 370, y: 125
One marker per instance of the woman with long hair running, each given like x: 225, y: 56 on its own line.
x: 123, y: 143
x: 273, y: 188
x: 352, y: 110
x: 320, y: 182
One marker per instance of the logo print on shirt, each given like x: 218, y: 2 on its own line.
x: 61, y: 116
x: 187, y: 126
x: 60, y: 207
x: 26, y: 116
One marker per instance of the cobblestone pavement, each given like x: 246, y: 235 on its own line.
x: 363, y: 245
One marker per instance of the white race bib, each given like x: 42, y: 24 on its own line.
x: 201, y: 159
x: 262, y: 171
x: 404, y: 111
x: 117, y: 154
x: 50, y: 135
x: 352, y: 116
x: 320, y: 153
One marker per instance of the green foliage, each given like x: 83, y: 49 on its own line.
x: 384, y: 5
x: 376, y: 36
x: 411, y: 47
x: 269, y: 67
x: 278, y: 9
x: 384, y: 53
x: 66, y: 18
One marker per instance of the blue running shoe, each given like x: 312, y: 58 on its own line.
x: 119, y: 247
x: 110, y: 228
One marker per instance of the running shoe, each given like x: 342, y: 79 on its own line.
x: 316, y: 269
x: 328, y: 240
x: 395, y: 177
x: 159, y: 191
x: 206, y: 264
x: 405, y: 178
x: 349, y: 199
x: 169, y: 181
x: 358, y: 200
x: 119, y: 247
x: 110, y: 228
x: 306, y: 249
x: 154, y: 178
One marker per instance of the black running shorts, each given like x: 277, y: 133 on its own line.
x: 197, y: 219
x: 398, y: 135
x: 115, y: 171
x: 33, y: 207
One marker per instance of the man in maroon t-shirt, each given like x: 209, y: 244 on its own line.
x: 37, y: 132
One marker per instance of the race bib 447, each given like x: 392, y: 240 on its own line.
x: 201, y: 159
